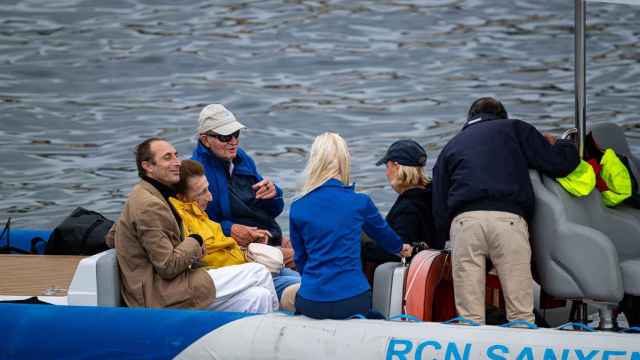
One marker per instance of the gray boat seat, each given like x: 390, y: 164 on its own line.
x: 621, y: 229
x: 108, y: 279
x: 630, y: 270
x: 96, y: 281
x: 573, y: 261
x: 609, y: 135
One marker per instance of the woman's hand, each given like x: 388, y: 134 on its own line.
x: 406, y: 250
x: 245, y: 235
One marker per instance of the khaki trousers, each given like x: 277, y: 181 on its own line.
x: 504, y: 238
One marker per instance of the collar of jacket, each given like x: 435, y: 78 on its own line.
x: 416, y: 192
x: 480, y: 118
x: 165, y: 190
x: 337, y: 183
x: 239, y: 163
x: 188, y: 207
x: 161, y: 190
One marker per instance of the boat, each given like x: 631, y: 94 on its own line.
x: 92, y: 324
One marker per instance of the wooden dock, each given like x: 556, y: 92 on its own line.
x: 37, y: 275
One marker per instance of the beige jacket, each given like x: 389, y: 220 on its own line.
x: 155, y: 262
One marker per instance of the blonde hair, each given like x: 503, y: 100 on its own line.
x: 407, y: 177
x: 329, y: 158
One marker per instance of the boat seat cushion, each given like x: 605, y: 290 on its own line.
x: 631, y: 276
x: 108, y: 279
x: 571, y: 257
x: 615, y: 224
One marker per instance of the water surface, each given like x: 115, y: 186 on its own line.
x: 82, y: 82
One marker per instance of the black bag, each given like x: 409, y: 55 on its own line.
x: 82, y: 233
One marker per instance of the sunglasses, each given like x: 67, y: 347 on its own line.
x: 224, y: 138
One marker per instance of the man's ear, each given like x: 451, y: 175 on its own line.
x: 146, y: 165
x: 204, y: 140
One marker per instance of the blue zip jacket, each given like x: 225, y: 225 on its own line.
x: 219, y: 209
x: 325, y: 227
x: 485, y: 167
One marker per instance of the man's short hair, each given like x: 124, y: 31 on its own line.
x: 143, y: 153
x: 487, y: 105
x: 188, y: 169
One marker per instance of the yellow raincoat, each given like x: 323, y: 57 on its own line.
x: 221, y: 250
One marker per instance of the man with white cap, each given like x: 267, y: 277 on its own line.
x: 244, y: 203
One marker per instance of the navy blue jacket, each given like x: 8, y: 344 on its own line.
x: 325, y: 227
x: 219, y: 209
x: 485, y: 167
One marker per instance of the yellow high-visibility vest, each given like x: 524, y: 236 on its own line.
x: 581, y: 181
x: 617, y: 177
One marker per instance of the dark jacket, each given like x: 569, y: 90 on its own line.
x: 411, y: 218
x: 485, y: 167
x: 219, y: 209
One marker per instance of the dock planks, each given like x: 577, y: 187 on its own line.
x: 37, y: 275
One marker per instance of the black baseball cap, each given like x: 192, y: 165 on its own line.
x: 405, y: 152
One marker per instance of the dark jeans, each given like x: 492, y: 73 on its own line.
x: 341, y: 309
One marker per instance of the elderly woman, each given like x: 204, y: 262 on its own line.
x: 326, y: 221
x: 240, y: 285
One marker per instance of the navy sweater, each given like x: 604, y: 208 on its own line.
x: 485, y: 167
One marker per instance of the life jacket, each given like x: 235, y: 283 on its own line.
x: 605, y: 170
x: 617, y: 178
x: 581, y: 181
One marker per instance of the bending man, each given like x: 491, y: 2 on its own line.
x: 482, y: 197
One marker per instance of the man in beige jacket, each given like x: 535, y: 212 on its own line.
x: 158, y: 264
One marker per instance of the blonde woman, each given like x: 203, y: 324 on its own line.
x: 326, y: 221
x: 410, y: 216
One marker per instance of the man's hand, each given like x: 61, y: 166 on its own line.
x: 203, y: 249
x: 245, y: 235
x: 265, y: 189
x: 550, y: 138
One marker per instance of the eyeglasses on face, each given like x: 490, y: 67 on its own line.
x: 224, y: 138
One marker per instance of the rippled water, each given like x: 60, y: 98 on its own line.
x: 82, y: 82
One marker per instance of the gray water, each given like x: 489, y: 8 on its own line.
x: 82, y: 82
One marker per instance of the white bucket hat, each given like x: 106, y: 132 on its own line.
x: 267, y: 255
x: 216, y: 118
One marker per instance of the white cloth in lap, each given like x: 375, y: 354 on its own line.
x: 244, y: 288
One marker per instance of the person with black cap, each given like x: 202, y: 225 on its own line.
x: 482, y: 199
x: 410, y: 216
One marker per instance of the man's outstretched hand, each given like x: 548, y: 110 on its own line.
x: 550, y: 138
x: 265, y: 189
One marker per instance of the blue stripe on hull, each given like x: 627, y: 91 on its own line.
x: 78, y: 332
x: 21, y: 239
